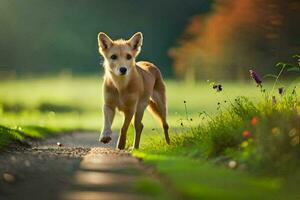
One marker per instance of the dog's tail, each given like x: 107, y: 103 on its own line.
x: 154, y: 110
x: 158, y: 105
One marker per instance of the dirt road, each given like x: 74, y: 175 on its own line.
x: 80, y: 168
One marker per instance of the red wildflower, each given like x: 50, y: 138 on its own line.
x: 247, y: 134
x: 254, y: 121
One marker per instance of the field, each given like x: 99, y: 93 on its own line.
x: 75, y: 102
x: 38, y: 107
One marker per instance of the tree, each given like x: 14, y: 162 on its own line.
x: 237, y: 34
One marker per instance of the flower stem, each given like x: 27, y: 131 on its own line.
x: 186, y: 112
x: 277, y: 78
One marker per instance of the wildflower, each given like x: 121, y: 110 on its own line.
x: 281, y: 90
x: 247, y: 134
x: 255, y: 77
x: 274, y: 100
x: 232, y: 164
x: 254, y: 121
x: 218, y: 87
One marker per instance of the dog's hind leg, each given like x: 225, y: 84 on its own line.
x: 158, y: 108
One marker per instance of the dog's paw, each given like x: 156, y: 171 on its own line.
x: 105, y: 139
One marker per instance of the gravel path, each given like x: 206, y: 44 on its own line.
x: 72, y: 166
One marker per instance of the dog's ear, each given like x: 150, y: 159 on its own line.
x: 104, y: 41
x: 136, y: 42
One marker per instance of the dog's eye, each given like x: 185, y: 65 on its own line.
x: 128, y: 56
x: 114, y: 57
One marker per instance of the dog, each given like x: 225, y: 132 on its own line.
x: 130, y: 87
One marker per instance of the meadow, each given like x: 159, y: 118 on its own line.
x: 38, y: 106
x: 216, y: 136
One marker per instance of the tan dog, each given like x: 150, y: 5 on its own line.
x: 130, y: 87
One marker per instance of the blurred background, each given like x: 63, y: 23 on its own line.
x: 50, y: 67
x: 189, y: 40
x: 54, y: 36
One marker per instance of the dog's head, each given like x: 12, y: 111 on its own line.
x: 119, y: 55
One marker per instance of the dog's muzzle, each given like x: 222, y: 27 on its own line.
x: 123, y: 70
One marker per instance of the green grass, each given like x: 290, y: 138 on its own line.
x: 267, y: 160
x: 8, y: 135
x: 148, y: 186
x: 198, y: 179
x: 196, y: 162
x: 58, y: 104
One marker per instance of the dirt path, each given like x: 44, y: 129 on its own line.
x: 80, y: 168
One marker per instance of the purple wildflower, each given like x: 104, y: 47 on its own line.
x: 255, y: 77
x: 218, y: 87
x: 281, y: 90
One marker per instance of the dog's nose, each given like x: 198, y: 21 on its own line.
x: 123, y: 70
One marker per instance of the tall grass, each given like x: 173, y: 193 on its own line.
x: 261, y: 135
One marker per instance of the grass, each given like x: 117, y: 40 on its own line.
x: 255, y: 144
x: 41, y: 106
x: 199, y: 163
x: 150, y: 187
x: 207, y: 133
x: 8, y: 135
x: 198, y: 179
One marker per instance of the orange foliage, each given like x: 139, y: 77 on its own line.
x: 223, y: 43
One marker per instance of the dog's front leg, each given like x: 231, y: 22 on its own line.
x: 108, y: 115
x: 128, y: 114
